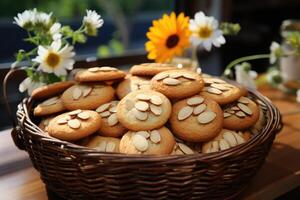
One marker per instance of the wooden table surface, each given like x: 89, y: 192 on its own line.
x: 280, y: 173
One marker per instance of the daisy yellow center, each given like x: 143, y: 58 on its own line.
x: 52, y: 59
x: 172, y: 41
x: 205, y: 32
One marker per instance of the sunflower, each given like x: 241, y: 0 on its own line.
x: 168, y: 37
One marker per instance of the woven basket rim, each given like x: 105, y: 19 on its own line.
x: 268, y: 130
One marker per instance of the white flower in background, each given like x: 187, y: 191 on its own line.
x: 55, y: 59
x: 29, y: 85
x: 55, y: 31
x: 205, y: 32
x: 245, y: 76
x: 26, y: 19
x: 92, y: 21
x: 275, y: 52
x: 43, y: 19
x: 298, y: 96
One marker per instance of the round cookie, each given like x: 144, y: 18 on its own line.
x: 241, y: 114
x: 132, y: 83
x: 177, y: 84
x: 220, y: 91
x: 224, y: 140
x: 51, y: 89
x: 105, y: 144
x: 74, y: 125
x: 196, y: 119
x: 155, y: 142
x: 99, y: 74
x: 144, y: 110
x: 150, y: 69
x: 87, y: 96
x: 110, y: 124
x: 49, y: 106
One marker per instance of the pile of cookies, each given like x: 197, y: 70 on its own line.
x: 155, y: 109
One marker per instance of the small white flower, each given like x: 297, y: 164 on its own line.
x: 55, y: 59
x: 43, y: 19
x: 205, y: 32
x: 92, y: 21
x: 298, y: 96
x: 275, y: 50
x: 26, y: 19
x: 55, y: 31
x: 244, y: 77
x: 29, y: 85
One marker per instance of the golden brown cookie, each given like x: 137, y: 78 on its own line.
x: 241, y: 114
x: 99, y: 74
x: 196, y: 119
x: 43, y: 125
x: 105, y: 144
x: 150, y: 69
x: 156, y: 142
x: 225, y: 140
x: 132, y: 83
x: 87, y: 96
x: 110, y: 123
x: 144, y: 110
x: 74, y: 125
x: 51, y: 90
x: 220, y: 91
x: 49, y: 106
x: 177, y: 84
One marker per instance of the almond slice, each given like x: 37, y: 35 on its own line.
x: 156, y: 100
x: 160, y: 76
x: 76, y: 93
x: 129, y: 104
x: 243, y: 100
x: 50, y: 101
x: 199, y: 109
x: 235, y: 108
x: 156, y: 110
x: 62, y: 121
x: 75, y: 112
x: 239, y: 139
x: 226, y: 114
x: 103, y: 108
x: 206, y: 117
x: 171, y: 81
x: 208, y: 81
x: 84, y: 115
x: 141, y: 106
x: 110, y: 146
x: 140, y: 143
x: 189, y: 76
x: 107, y: 68
x: 229, y: 137
x: 175, y: 75
x: 219, y: 86
x: 93, y: 69
x: 155, y: 136
x: 112, y: 120
x: 86, y: 90
x: 140, y: 115
x: 143, y: 97
x: 195, y: 101
x: 185, y: 149
x: 240, y: 114
x: 113, y: 109
x: 74, y: 123
x: 216, y: 80
x: 223, y: 144
x: 213, y: 90
x: 145, y: 134
x: 105, y: 114
x: 102, y: 146
x: 184, y: 113
x: 245, y: 108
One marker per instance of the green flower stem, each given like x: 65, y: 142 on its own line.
x: 244, y: 59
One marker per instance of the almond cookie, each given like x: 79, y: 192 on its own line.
x: 110, y: 123
x: 154, y: 142
x: 132, y: 83
x: 144, y: 110
x: 196, y: 119
x: 177, y: 84
x: 99, y: 74
x: 51, y: 90
x: 105, y: 144
x: 74, y: 125
x: 150, y: 69
x: 43, y: 125
x: 87, y: 96
x: 49, y: 106
x: 241, y: 114
x: 220, y: 91
x: 224, y: 140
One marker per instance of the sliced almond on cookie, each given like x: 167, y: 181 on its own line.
x: 195, y: 101
x: 145, y: 134
x: 93, y: 69
x: 184, y: 113
x: 74, y: 123
x: 213, y: 90
x: 155, y: 136
x: 171, y: 81
x: 243, y: 100
x: 143, y: 97
x: 206, y: 117
x: 113, y: 109
x: 62, y: 121
x: 245, y: 108
x: 175, y: 75
x: 140, y: 142
x: 226, y: 114
x: 84, y: 115
x: 156, y: 100
x: 159, y: 77
x: 50, y: 101
x: 105, y: 114
x: 75, y: 112
x: 199, y: 109
x: 141, y: 106
x: 185, y: 149
x: 112, y: 120
x: 86, y: 90
x: 240, y: 114
x: 156, y: 110
x: 189, y: 76
x: 229, y: 137
x: 219, y: 86
x: 103, y: 108
x: 76, y: 93
x: 140, y: 115
x: 129, y: 104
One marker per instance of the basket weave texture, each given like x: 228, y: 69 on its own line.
x: 76, y: 172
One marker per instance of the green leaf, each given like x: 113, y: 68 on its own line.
x: 52, y: 78
x: 67, y: 31
x: 103, y: 51
x: 20, y: 55
x: 230, y: 28
x: 79, y: 37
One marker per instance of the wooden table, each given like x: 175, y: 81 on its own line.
x: 280, y: 173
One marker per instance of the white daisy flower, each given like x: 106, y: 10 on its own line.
x: 245, y: 77
x: 55, y: 31
x: 26, y: 19
x: 43, y: 19
x: 275, y: 52
x: 205, y: 32
x: 29, y: 85
x: 92, y: 21
x: 55, y: 59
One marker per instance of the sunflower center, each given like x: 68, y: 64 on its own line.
x: 52, y: 59
x: 205, y: 32
x: 172, y: 41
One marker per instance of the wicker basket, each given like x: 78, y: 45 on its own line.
x: 76, y: 172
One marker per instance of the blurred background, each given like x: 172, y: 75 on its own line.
x: 127, y: 21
